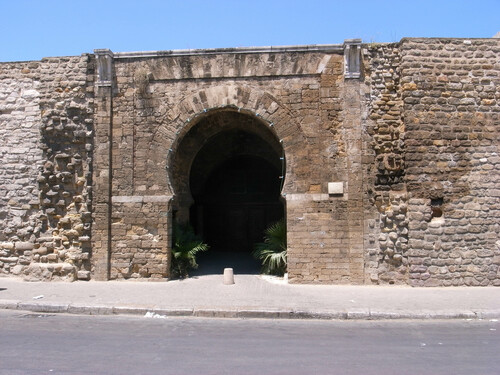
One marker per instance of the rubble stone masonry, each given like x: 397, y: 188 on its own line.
x: 388, y: 154
x: 450, y: 89
x: 47, y: 130
x: 22, y: 156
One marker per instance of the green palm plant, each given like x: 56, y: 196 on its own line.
x: 272, y: 252
x: 186, y: 245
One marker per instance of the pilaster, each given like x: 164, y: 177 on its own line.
x: 102, y: 174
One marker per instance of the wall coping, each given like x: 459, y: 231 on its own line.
x: 218, y: 51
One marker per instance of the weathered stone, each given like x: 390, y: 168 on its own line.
x: 19, y: 246
x: 17, y: 270
x: 83, y: 275
x: 412, y: 141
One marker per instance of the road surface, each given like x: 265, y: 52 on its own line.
x: 33, y: 343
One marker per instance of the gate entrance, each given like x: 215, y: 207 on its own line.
x: 235, y: 180
x: 240, y: 199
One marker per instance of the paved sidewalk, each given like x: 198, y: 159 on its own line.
x: 250, y: 297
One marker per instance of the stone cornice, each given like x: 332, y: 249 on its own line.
x: 239, y: 50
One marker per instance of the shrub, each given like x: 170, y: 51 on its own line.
x: 186, y: 245
x: 272, y: 252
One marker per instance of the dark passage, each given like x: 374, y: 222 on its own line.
x: 239, y: 201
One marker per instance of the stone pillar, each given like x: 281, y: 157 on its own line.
x: 101, y: 229
x: 352, y: 123
x: 352, y: 58
x: 355, y: 175
x: 104, y: 67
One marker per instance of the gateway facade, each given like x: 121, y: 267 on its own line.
x: 382, y: 159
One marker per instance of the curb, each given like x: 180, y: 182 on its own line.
x: 359, y: 314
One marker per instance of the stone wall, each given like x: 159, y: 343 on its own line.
x: 450, y: 90
x: 386, y: 223
x: 48, y: 128
x: 160, y: 102
x: 65, y: 181
x: 140, y: 227
x: 97, y: 151
x: 21, y: 157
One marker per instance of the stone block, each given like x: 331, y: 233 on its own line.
x: 83, y: 275
x: 21, y: 246
x: 335, y: 188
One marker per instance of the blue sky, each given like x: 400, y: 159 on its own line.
x: 32, y: 29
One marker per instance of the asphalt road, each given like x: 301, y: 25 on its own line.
x: 68, y: 344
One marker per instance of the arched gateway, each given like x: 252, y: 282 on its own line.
x: 229, y: 147
x: 234, y: 167
x: 385, y: 170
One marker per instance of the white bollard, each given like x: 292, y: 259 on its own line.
x: 228, y: 276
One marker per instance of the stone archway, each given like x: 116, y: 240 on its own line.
x: 172, y: 147
x: 233, y: 167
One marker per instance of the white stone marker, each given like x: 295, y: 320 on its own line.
x: 228, y: 276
